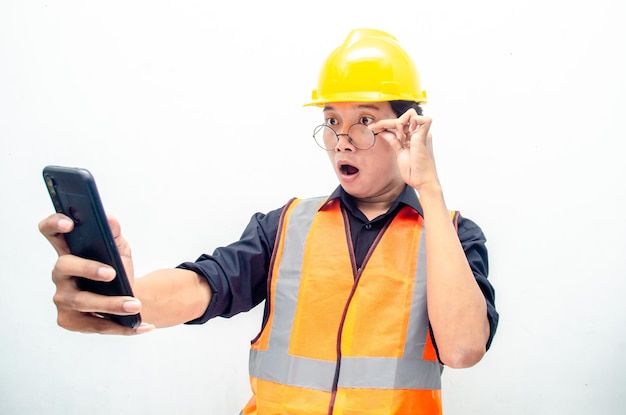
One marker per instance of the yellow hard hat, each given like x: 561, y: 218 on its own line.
x: 370, y: 66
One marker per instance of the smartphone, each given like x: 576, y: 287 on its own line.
x: 74, y: 193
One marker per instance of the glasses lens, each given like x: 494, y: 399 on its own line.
x: 325, y: 137
x: 362, y: 137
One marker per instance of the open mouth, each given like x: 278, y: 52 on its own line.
x: 348, y: 170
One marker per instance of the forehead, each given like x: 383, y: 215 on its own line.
x: 378, y: 108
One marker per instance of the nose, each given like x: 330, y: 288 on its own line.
x: 344, y: 143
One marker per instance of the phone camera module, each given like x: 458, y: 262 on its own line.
x: 51, y: 186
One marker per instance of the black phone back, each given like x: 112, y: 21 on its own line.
x: 74, y: 193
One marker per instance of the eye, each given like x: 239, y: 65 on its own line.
x: 331, y: 121
x: 366, y: 120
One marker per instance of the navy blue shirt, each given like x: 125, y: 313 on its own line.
x: 237, y: 273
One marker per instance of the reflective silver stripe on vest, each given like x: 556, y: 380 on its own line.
x: 277, y: 365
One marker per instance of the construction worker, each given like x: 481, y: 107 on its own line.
x: 368, y: 292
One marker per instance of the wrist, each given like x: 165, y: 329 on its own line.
x: 432, y: 200
x: 430, y: 191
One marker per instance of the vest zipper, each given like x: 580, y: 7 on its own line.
x: 339, y: 335
x: 356, y: 273
x: 357, y: 277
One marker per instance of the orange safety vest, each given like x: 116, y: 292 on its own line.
x: 340, y: 340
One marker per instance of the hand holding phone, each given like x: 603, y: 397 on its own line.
x: 74, y: 193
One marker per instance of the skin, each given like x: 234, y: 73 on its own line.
x: 402, y: 154
x: 164, y: 298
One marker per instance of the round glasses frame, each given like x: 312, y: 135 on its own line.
x: 322, y: 128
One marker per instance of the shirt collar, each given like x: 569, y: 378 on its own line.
x: 407, y: 197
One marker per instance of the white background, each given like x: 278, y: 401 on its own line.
x: 189, y: 115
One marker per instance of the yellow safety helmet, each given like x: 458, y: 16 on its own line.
x: 370, y: 66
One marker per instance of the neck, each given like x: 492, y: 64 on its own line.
x: 375, y: 206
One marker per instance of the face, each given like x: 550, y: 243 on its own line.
x: 370, y: 174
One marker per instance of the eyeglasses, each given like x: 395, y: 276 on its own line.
x: 358, y: 135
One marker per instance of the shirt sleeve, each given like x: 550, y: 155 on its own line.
x: 473, y: 242
x: 237, y: 273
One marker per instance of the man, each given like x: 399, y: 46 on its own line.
x: 368, y: 292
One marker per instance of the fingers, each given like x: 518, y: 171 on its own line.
x: 68, y: 296
x: 89, y: 323
x: 53, y: 227
x: 114, y: 225
x: 69, y: 265
x: 394, y: 142
x: 80, y: 310
x: 405, y: 128
x: 75, y: 300
x: 417, y: 126
x: 122, y: 246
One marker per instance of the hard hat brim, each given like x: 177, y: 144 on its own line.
x: 364, y: 97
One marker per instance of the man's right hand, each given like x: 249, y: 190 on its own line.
x: 80, y: 310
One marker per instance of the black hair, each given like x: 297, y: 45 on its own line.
x: 400, y: 107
